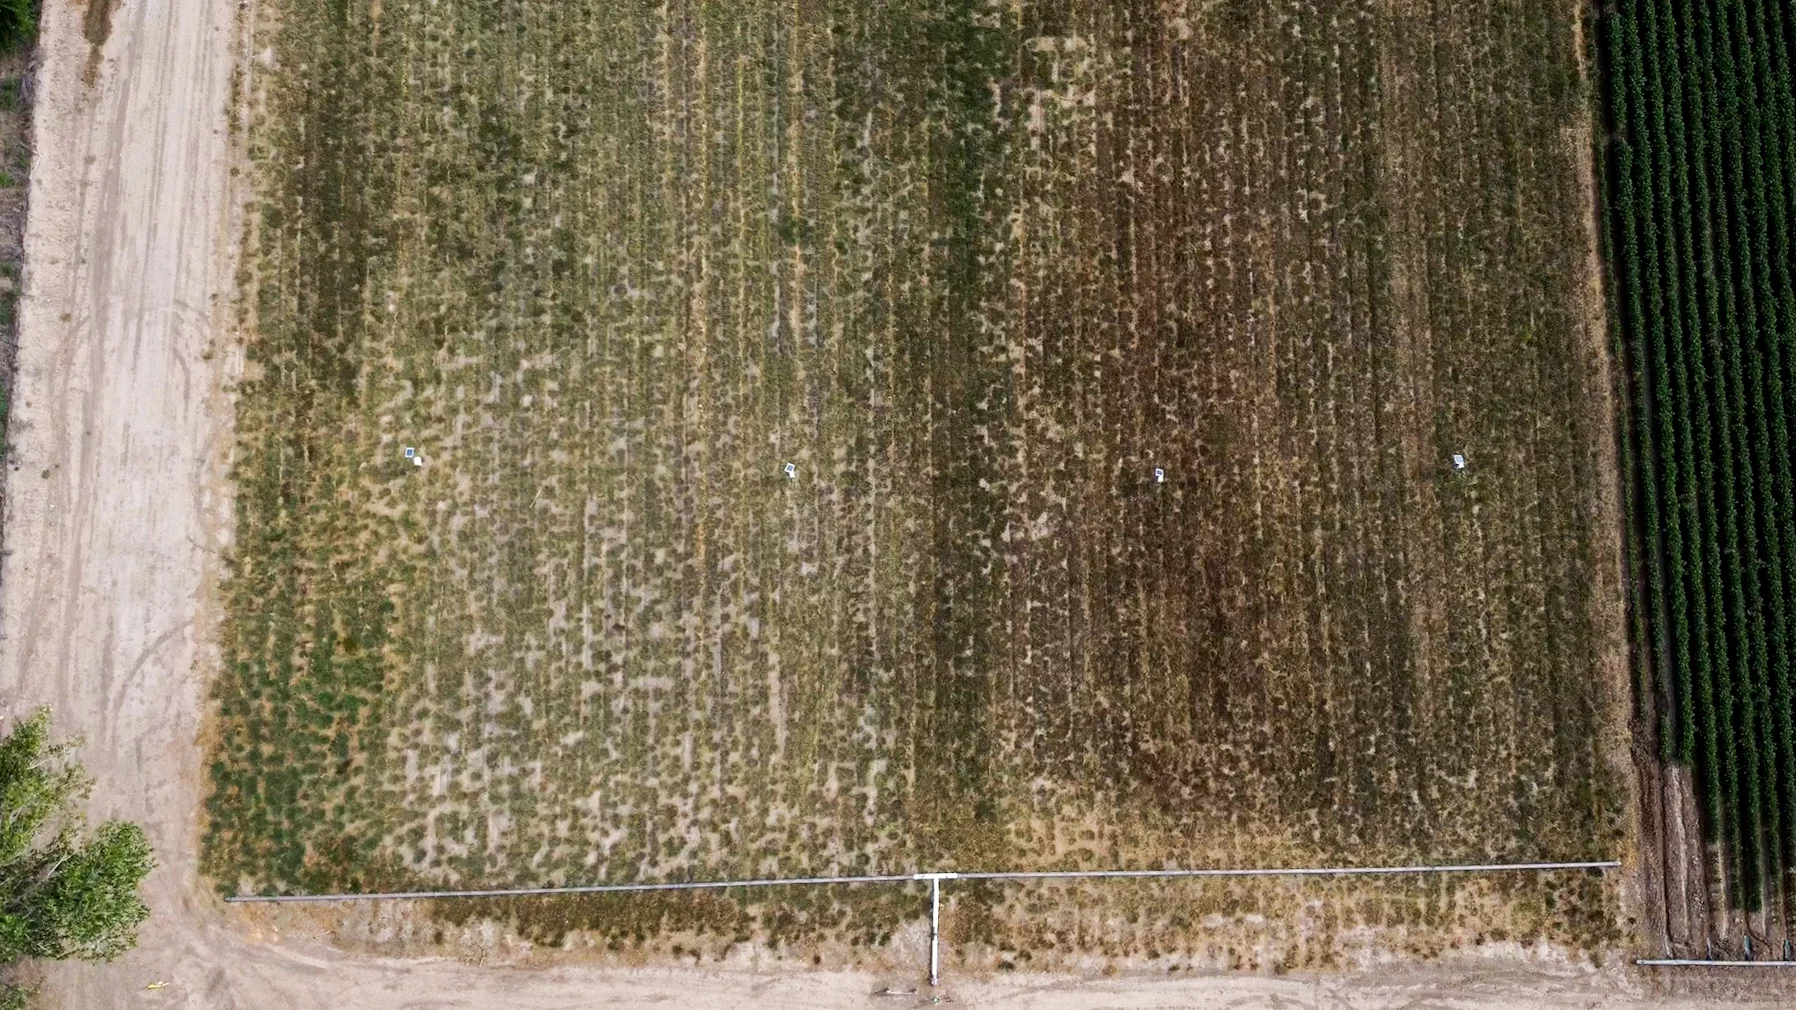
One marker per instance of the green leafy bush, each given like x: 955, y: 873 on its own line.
x: 64, y: 893
x: 18, y: 22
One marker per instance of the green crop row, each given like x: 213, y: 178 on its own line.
x: 1701, y: 171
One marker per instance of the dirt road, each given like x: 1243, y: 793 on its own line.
x: 119, y: 511
x: 119, y: 428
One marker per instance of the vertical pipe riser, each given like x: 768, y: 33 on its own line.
x: 935, y: 931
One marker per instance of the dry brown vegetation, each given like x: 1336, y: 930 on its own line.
x: 977, y: 272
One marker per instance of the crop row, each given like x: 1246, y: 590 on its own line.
x: 1118, y: 354
x: 1703, y: 161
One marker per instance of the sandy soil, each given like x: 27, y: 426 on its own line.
x: 118, y: 511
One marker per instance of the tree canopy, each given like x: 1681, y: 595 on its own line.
x: 65, y: 892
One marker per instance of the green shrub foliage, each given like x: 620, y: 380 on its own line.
x: 18, y: 22
x: 64, y: 892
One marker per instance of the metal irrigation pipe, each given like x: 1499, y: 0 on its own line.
x: 935, y: 927
x: 1694, y: 962
x: 512, y: 892
x: 1303, y: 871
x: 935, y: 887
x: 890, y: 878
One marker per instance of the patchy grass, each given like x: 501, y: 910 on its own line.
x: 976, y: 272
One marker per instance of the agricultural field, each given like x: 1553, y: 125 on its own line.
x: 1702, y: 173
x: 864, y: 438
